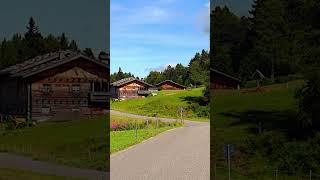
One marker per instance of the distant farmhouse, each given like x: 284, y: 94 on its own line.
x: 220, y: 80
x: 60, y: 85
x: 170, y: 85
x: 129, y: 88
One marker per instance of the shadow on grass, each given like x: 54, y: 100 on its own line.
x: 259, y: 121
x: 195, y: 99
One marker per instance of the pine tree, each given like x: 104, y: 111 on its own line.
x: 270, y: 28
x: 88, y: 52
x: 51, y: 43
x: 64, y: 43
x: 120, y: 74
x: 33, y: 41
x: 32, y: 30
x: 73, y: 46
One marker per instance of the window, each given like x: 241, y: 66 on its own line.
x: 45, y: 110
x: 76, y: 88
x: 46, y: 88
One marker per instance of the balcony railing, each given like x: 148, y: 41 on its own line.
x: 144, y: 92
x: 100, y: 97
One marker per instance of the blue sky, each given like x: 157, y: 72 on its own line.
x: 85, y: 21
x: 149, y: 35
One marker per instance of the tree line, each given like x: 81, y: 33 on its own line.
x: 32, y: 43
x: 279, y: 37
x: 120, y: 75
x: 196, y: 73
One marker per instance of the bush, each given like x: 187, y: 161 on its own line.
x: 200, y: 111
x: 284, y: 155
x: 309, y: 100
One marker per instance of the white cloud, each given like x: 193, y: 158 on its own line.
x: 146, y: 15
x: 203, y: 19
x: 162, y: 67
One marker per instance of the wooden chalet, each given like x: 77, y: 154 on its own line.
x: 170, y: 85
x: 129, y: 88
x: 63, y: 85
x: 220, y: 80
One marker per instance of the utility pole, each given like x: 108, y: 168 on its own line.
x: 229, y: 163
x: 310, y: 175
x: 136, y: 133
x: 272, y: 70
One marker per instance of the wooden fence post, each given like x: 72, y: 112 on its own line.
x: 136, y: 132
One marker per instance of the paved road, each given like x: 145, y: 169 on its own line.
x: 182, y: 153
x: 12, y: 161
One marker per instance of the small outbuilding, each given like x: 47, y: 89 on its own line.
x: 259, y: 77
x: 170, y: 85
x: 220, y: 80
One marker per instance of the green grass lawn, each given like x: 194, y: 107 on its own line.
x: 80, y: 144
x: 228, y: 108
x: 123, y: 139
x: 120, y: 140
x: 165, y: 104
x: 10, y: 174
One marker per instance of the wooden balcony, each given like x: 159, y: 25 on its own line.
x: 101, y: 97
x: 144, y: 92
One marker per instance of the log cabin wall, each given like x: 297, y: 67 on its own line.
x: 13, y: 97
x: 221, y: 82
x: 66, y: 96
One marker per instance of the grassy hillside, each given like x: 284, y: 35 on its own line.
x: 78, y: 143
x: 165, y: 104
x: 10, y: 174
x: 122, y: 139
x: 236, y: 115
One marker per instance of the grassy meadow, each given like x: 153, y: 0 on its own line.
x: 80, y: 144
x: 166, y: 104
x: 122, y: 139
x: 235, y: 115
x: 11, y: 174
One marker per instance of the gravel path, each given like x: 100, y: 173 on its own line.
x: 182, y: 153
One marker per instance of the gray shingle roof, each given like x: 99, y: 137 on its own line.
x: 128, y: 80
x: 170, y: 81
x: 224, y: 74
x: 44, y: 62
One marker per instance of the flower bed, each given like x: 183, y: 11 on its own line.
x: 121, y: 125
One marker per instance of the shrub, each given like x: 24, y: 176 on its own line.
x: 289, y: 156
x: 200, y: 111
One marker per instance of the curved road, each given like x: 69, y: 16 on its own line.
x: 182, y: 153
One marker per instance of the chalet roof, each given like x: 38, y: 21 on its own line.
x: 170, y: 81
x: 224, y: 74
x: 259, y: 74
x: 128, y: 80
x: 45, y: 62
